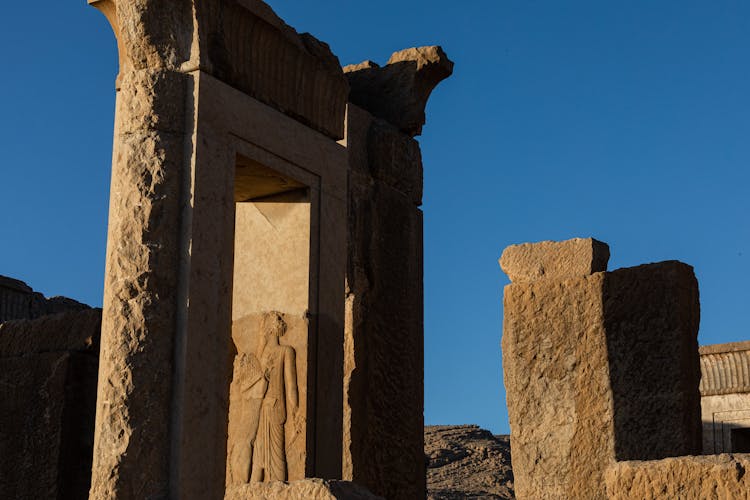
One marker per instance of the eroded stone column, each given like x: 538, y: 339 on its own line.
x: 132, y: 446
x: 599, y: 366
x: 384, y: 357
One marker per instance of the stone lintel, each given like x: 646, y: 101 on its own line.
x: 554, y: 259
x: 244, y: 44
x: 398, y: 92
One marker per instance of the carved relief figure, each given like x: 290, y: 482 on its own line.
x: 280, y: 398
x: 251, y: 386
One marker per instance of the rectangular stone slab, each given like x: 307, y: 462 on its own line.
x: 599, y: 368
x: 554, y: 259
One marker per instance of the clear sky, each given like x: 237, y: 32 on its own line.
x: 625, y: 121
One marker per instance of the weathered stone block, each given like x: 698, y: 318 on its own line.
x: 398, y: 92
x: 383, y: 412
x: 598, y: 368
x: 396, y: 160
x: 379, y: 151
x: 556, y: 380
x: 48, y: 373
x: 722, y: 477
x: 308, y: 489
x: 384, y: 351
x: 554, y: 259
x: 244, y: 44
x: 651, y: 319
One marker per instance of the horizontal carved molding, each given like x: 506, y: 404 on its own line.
x: 725, y: 369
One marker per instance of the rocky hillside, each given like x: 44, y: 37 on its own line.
x: 465, y: 461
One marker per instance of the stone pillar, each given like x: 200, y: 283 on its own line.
x: 599, y: 366
x: 203, y: 87
x: 384, y: 358
x: 144, y: 283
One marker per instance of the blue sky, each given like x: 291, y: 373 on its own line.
x: 626, y: 121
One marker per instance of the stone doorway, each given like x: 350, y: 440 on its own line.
x: 274, y: 254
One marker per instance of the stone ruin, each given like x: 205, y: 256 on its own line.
x: 602, y: 372
x: 49, y: 353
x: 264, y: 233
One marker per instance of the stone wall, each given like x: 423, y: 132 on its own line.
x: 598, y: 366
x: 725, y: 397
x: 48, y: 373
x: 384, y: 345
x: 384, y: 328
x: 722, y: 477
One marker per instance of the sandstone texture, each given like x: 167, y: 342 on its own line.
x: 308, y: 489
x: 141, y: 288
x: 715, y: 477
x: 554, y: 259
x: 556, y: 381
x: 599, y: 368
x: 464, y: 461
x: 384, y: 344
x: 244, y: 44
x: 398, y: 92
x: 48, y: 373
x: 652, y: 314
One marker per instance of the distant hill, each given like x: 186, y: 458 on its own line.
x: 464, y: 461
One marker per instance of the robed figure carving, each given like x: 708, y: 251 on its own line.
x: 268, y: 385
